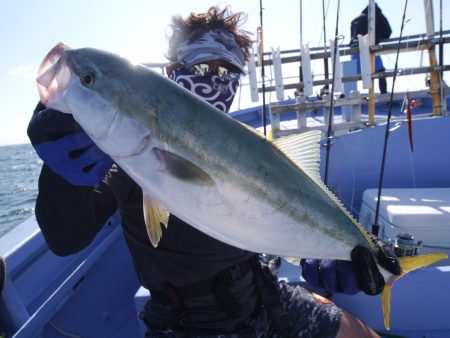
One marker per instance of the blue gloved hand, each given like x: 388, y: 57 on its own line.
x: 331, y: 275
x: 63, y: 145
x: 359, y: 274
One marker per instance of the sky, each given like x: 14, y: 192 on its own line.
x: 138, y: 30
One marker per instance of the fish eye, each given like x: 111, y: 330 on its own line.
x: 87, y: 78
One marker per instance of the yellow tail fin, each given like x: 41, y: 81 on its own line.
x: 407, y: 264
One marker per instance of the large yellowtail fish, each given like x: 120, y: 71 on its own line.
x: 206, y: 168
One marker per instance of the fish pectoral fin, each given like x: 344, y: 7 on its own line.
x: 154, y: 216
x: 182, y: 169
x: 407, y: 264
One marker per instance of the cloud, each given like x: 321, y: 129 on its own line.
x: 23, y: 71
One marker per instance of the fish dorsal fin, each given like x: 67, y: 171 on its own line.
x: 304, y: 151
x: 154, y: 216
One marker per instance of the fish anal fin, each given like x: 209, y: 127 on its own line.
x: 293, y: 260
x: 154, y: 216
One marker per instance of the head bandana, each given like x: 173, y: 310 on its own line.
x: 212, y: 88
x: 217, y: 44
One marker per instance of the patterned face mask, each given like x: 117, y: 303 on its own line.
x: 215, y: 89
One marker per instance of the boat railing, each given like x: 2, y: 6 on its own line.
x: 412, y: 43
x: 351, y: 118
x: 348, y: 99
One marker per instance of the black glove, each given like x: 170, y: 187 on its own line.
x: 63, y: 145
x: 369, y: 277
x: 361, y: 274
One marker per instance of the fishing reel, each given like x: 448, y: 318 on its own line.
x: 428, y: 80
x: 323, y: 91
x: 404, y: 245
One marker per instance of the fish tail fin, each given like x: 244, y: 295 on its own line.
x: 410, y: 263
x: 407, y: 264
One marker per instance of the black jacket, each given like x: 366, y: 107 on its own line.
x: 359, y: 25
x: 70, y: 217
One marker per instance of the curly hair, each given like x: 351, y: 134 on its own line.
x: 214, y: 18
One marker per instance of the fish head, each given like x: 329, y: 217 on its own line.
x: 103, y: 93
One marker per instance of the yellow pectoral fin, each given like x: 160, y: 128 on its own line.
x: 407, y: 264
x: 154, y: 216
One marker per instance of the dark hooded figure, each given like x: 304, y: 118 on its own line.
x: 383, y: 30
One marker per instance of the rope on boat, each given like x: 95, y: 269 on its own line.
x: 375, y: 225
x: 61, y: 331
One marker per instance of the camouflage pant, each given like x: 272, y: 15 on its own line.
x: 307, y: 318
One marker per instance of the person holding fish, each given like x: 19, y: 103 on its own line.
x: 200, y: 286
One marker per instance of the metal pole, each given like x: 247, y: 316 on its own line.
x: 301, y: 41
x: 435, y: 76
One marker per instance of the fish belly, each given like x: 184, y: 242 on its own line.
x: 235, y: 216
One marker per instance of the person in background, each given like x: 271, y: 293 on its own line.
x: 200, y: 287
x: 359, y: 25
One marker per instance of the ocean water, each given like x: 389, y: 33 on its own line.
x: 19, y: 172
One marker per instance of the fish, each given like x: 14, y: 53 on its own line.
x: 215, y: 173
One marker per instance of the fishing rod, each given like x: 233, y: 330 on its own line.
x: 375, y: 225
x: 441, y: 63
x: 441, y: 43
x: 330, y: 115
x: 325, y: 42
x: 261, y: 60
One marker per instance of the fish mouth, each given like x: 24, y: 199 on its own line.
x: 53, y: 74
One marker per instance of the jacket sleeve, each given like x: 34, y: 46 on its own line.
x: 70, y: 216
x: 383, y: 27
